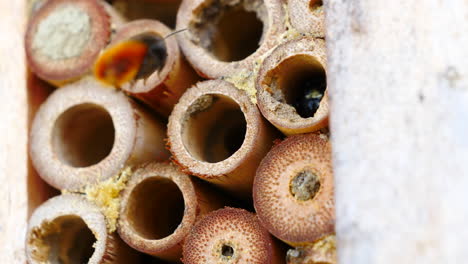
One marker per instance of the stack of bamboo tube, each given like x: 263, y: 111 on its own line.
x: 191, y: 131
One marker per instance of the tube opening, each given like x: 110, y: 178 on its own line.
x: 315, y: 4
x: 83, y: 135
x: 214, y: 128
x: 227, y: 251
x: 302, y: 82
x: 305, y: 185
x: 155, y: 208
x: 230, y: 32
x: 67, y: 239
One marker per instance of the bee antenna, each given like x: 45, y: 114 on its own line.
x: 175, y: 32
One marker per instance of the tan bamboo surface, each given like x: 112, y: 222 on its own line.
x: 163, y: 87
x: 397, y: 77
x: 85, y: 133
x: 159, y: 207
x: 65, y: 55
x: 207, y: 114
x: 293, y: 190
x: 281, y: 73
x: 70, y: 229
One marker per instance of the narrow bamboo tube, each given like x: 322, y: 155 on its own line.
x: 320, y: 252
x: 224, y: 37
x: 159, y: 206
x: 69, y: 229
x: 169, y: 78
x: 293, y: 190
x: 64, y: 37
x: 291, y: 86
x: 231, y: 235
x: 307, y: 17
x: 216, y: 133
x: 85, y: 133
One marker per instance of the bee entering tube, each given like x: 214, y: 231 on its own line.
x: 145, y: 61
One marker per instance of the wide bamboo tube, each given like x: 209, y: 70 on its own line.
x: 293, y: 190
x: 168, y: 74
x: 69, y: 229
x: 291, y: 86
x: 231, y: 235
x: 159, y: 206
x: 85, y: 133
x: 225, y: 37
x: 216, y: 133
x: 307, y: 17
x: 64, y: 37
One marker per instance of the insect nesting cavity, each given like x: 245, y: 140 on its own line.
x: 305, y: 185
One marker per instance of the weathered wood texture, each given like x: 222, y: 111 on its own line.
x: 398, y: 80
x: 21, y: 190
x: 13, y: 133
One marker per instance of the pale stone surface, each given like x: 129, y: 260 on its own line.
x: 13, y: 132
x: 399, y: 117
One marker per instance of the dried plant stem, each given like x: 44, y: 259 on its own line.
x: 86, y: 133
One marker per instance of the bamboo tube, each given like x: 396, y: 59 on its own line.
x: 291, y: 86
x: 225, y: 37
x: 85, y: 133
x: 231, y: 235
x: 307, y: 17
x: 69, y: 229
x: 322, y: 252
x: 64, y: 37
x: 159, y: 206
x: 216, y: 133
x: 293, y: 190
x: 163, y: 74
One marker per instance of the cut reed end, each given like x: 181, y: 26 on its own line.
x: 146, y: 64
x: 68, y: 229
x: 229, y: 235
x: 159, y: 206
x: 293, y: 190
x: 291, y: 86
x: 64, y: 37
x: 82, y: 134
x: 216, y: 133
x: 307, y: 17
x: 217, y: 45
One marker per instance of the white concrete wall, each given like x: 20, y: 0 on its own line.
x: 398, y: 80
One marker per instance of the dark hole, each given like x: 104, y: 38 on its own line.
x: 238, y: 35
x: 229, y: 33
x: 302, y: 82
x: 68, y: 239
x: 311, y: 88
x: 305, y: 185
x: 156, y: 208
x: 234, y: 137
x: 216, y: 132
x: 314, y: 4
x: 83, y: 135
x: 227, y: 251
